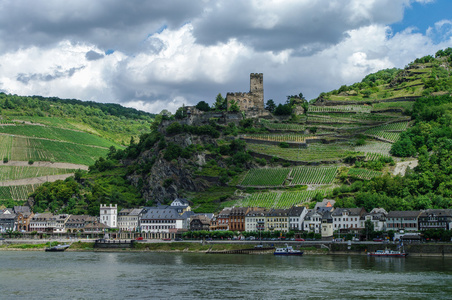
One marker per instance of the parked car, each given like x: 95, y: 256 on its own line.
x: 179, y: 239
x: 140, y: 238
x: 299, y: 240
x: 378, y: 240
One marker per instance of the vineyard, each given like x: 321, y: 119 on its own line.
x: 314, y: 152
x: 377, y: 147
x: 25, y: 149
x: 58, y: 134
x: 17, y: 193
x: 279, y: 199
x: 364, y: 173
x: 280, y: 126
x: 299, y: 138
x: 387, y: 135
x: 295, y: 176
x: 341, y: 108
x: 21, y: 172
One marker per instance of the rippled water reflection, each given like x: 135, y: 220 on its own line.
x: 85, y: 275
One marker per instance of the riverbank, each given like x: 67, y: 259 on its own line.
x: 417, y: 250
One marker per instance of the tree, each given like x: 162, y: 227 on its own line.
x: 234, y: 107
x: 220, y: 103
x: 203, y: 106
x: 270, y: 105
x: 368, y: 229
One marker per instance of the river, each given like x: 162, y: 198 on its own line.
x: 116, y: 275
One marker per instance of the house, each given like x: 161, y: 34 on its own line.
x: 109, y: 215
x: 255, y: 219
x: 402, y: 220
x: 347, y: 220
x: 278, y: 220
x: 237, y: 218
x: 221, y: 221
x: 435, y: 219
x: 378, y: 218
x: 327, y: 224
x: 199, y: 222
x: 7, y: 220
x: 129, y: 219
x: 296, y: 217
x: 56, y: 223
x: 160, y: 222
x: 24, y: 216
x: 181, y: 205
x: 77, y: 223
x: 95, y: 228
x: 40, y: 222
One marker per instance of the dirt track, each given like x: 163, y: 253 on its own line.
x: 400, y: 167
x: 49, y: 164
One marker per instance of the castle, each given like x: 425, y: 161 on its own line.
x: 251, y: 103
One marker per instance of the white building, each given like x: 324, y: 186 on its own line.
x: 296, y: 217
x: 109, y: 215
x: 160, y: 222
x: 129, y: 219
x: 255, y: 220
x: 348, y: 218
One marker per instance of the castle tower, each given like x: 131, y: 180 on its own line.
x: 257, y: 83
x: 252, y: 102
x: 109, y: 215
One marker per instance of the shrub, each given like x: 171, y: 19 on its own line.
x: 284, y: 145
x: 30, y: 162
x: 5, y: 160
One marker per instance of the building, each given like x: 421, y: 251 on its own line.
x: 160, y: 222
x: 222, y: 220
x: 255, y: 219
x: 435, y: 219
x: 277, y: 220
x: 378, y: 218
x: 237, y: 218
x: 129, y: 219
x: 109, y: 215
x: 402, y: 220
x: 199, y: 222
x: 77, y: 223
x: 327, y: 224
x: 296, y: 217
x: 40, y: 223
x: 56, y: 223
x: 181, y: 205
x: 251, y: 103
x: 346, y: 220
x: 7, y: 220
x: 24, y: 216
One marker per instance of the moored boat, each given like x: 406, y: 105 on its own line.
x: 388, y: 253
x: 288, y: 250
x: 57, y: 248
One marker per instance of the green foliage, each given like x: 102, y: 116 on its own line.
x: 203, y: 106
x: 284, y: 145
x: 270, y: 105
x: 283, y: 110
x: 220, y: 103
x: 233, y: 107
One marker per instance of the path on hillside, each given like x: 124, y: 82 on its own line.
x: 401, y: 167
x: 36, y: 180
x: 57, y: 165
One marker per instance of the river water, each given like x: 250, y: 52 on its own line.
x: 107, y: 275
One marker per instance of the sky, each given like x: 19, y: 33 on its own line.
x: 155, y: 55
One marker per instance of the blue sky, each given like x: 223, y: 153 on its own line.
x: 154, y: 55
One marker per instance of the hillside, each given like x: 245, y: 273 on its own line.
x: 389, y: 148
x: 47, y: 139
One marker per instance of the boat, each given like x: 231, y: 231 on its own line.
x: 288, y: 250
x: 57, y: 248
x: 388, y: 253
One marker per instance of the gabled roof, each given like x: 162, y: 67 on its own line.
x: 22, y: 209
x: 160, y: 213
x: 437, y: 212
x: 278, y: 212
x: 404, y: 214
x: 351, y: 211
x: 296, y: 211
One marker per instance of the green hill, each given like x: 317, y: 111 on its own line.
x: 384, y: 142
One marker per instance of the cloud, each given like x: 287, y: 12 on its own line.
x: 93, y: 55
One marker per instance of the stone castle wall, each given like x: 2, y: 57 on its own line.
x: 252, y: 101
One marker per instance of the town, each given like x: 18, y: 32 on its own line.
x: 177, y: 221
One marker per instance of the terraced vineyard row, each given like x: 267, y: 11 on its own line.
x: 313, y: 175
x: 279, y: 200
x: 14, y: 173
x: 340, y: 108
x: 375, y: 156
x: 266, y: 177
x: 280, y: 126
x: 364, y: 173
x: 24, y: 149
x: 279, y: 137
x: 391, y: 136
x: 314, y: 152
x: 296, y: 176
x: 375, y: 147
x: 17, y: 193
x: 59, y: 134
x: 399, y: 126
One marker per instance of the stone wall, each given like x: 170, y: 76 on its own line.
x: 252, y: 102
